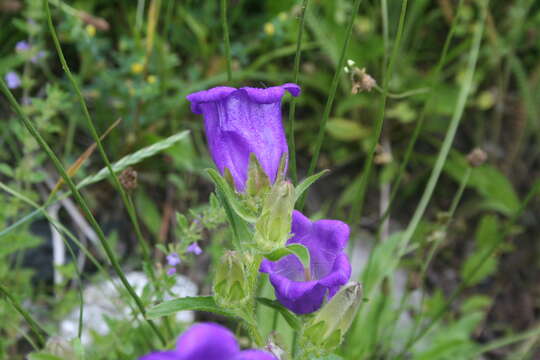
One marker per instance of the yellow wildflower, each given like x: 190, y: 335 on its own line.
x: 90, y: 30
x: 269, y: 29
x: 137, y: 68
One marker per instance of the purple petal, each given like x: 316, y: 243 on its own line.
x: 22, y: 46
x: 13, y: 80
x: 173, y: 259
x: 194, y: 248
x: 161, y: 355
x: 254, y: 355
x: 171, y: 271
x: 329, y: 268
x: 239, y: 122
x: 207, y: 341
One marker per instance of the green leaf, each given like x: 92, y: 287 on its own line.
x: 295, y: 249
x: 198, y: 303
x: 291, y: 319
x: 306, y: 183
x: 482, y: 263
x: 346, y: 130
x: 231, y: 197
x: 43, y: 356
x: 497, y: 190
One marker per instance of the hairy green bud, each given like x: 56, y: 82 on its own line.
x: 328, y: 327
x: 230, y: 281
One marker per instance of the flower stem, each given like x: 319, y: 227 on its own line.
x: 331, y: 96
x: 38, y: 330
x: 226, y: 38
x: 292, y: 146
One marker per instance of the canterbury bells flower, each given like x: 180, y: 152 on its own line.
x: 208, y: 341
x: 304, y: 290
x: 239, y: 122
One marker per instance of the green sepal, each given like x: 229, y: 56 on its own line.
x: 301, y: 252
x: 231, y: 196
x: 306, y: 183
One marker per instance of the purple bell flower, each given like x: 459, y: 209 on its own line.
x: 208, y: 341
x: 242, y: 121
x: 13, y: 80
x: 194, y: 248
x: 304, y: 290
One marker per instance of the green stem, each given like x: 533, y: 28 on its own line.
x: 358, y: 206
x: 297, y: 56
x: 78, y: 197
x: 226, y: 39
x: 331, y: 96
x: 36, y: 328
x: 130, y: 209
x: 450, y: 134
x: 420, y: 122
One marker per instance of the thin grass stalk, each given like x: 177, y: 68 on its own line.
x: 358, y: 205
x: 62, y: 229
x: 130, y: 209
x: 450, y: 134
x: 425, y: 264
x: 34, y: 325
x: 420, y: 123
x: 330, y: 100
x: 226, y: 39
x: 296, y: 71
x: 80, y: 200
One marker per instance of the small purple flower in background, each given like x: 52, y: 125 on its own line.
x: 304, y: 290
x: 13, y: 80
x: 208, y: 341
x: 22, y: 46
x: 242, y: 121
x: 173, y: 260
x: 194, y: 248
x: 40, y: 55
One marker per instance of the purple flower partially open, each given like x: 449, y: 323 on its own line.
x: 303, y: 290
x: 242, y: 121
x: 208, y: 341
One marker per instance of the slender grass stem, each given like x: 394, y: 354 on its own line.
x: 358, y: 205
x: 296, y: 71
x: 331, y: 96
x: 450, y: 134
x: 420, y: 122
x: 36, y: 328
x: 78, y: 197
x: 130, y: 209
x: 425, y: 264
x: 226, y: 39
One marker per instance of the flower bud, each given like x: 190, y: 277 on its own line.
x: 327, y: 329
x: 273, y: 227
x: 230, y: 281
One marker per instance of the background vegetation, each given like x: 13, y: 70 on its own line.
x: 452, y: 76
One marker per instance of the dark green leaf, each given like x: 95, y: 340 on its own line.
x: 198, y: 303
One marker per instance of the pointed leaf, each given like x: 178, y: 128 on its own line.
x: 304, y: 185
x: 198, y: 303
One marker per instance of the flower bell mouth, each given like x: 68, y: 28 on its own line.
x: 241, y: 122
x: 304, y: 289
